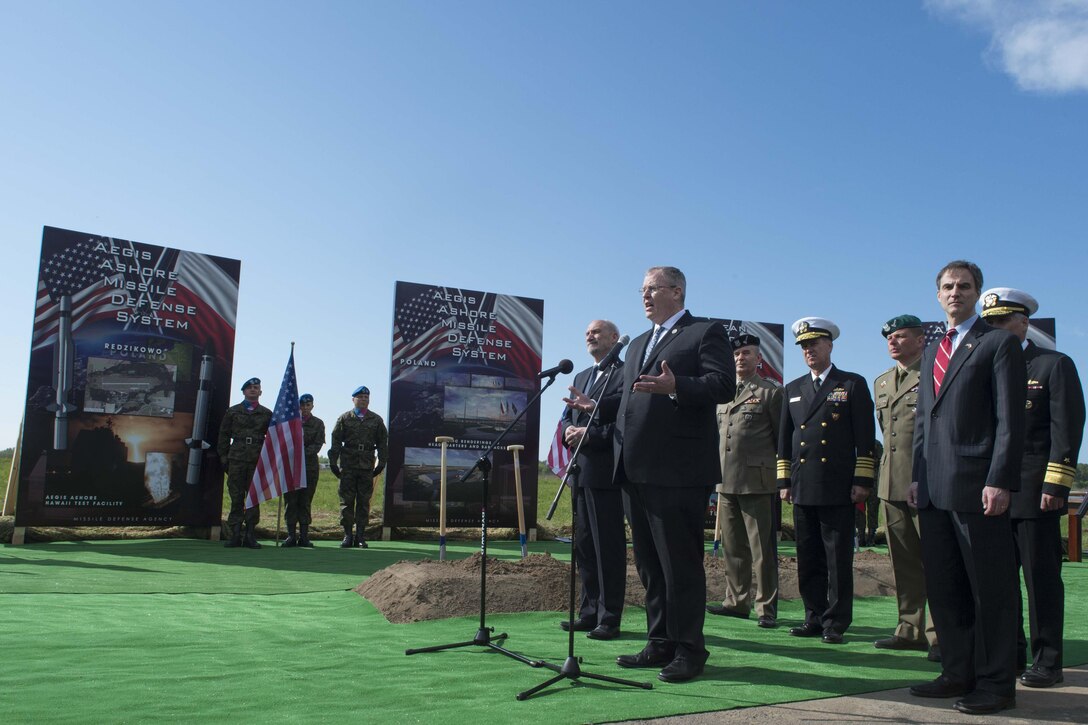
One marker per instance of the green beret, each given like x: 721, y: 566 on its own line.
x: 900, y: 323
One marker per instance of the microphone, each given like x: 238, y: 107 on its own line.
x: 613, y: 355
x: 564, y: 367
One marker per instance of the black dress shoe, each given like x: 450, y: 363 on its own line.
x: 1041, y: 677
x: 806, y: 630
x: 934, y: 653
x: 724, y: 611
x: 290, y: 541
x: 680, y: 669
x: 897, y: 642
x: 603, y: 631
x: 983, y: 703
x: 767, y: 622
x: 646, y: 658
x: 830, y: 636
x: 580, y: 625
x: 940, y: 687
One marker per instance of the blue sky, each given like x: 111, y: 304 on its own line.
x: 793, y: 158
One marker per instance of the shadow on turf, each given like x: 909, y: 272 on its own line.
x: 324, y: 558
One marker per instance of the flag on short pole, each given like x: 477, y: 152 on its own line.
x: 558, y: 454
x: 282, y: 466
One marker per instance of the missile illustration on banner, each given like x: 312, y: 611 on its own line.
x: 197, y: 444
x: 63, y: 363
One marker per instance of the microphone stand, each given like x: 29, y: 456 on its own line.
x: 483, y: 636
x: 571, y: 668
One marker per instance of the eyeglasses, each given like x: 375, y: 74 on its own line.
x: 651, y: 288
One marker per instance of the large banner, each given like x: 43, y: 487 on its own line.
x: 465, y: 364
x: 130, y: 369
x: 772, y: 347
x: 1041, y: 331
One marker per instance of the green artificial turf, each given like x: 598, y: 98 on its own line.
x: 186, y: 631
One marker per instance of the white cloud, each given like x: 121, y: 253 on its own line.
x: 1042, y: 44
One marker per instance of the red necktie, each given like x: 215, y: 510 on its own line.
x: 940, y: 364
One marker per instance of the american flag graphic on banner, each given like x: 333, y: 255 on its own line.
x: 934, y: 331
x: 558, y: 454
x: 282, y: 466
x: 73, y: 271
x: 420, y: 330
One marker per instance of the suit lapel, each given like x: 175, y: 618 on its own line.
x: 819, y: 396
x: 909, y: 382
x: 959, y: 357
x: 667, y: 337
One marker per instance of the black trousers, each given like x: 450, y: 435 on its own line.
x: 825, y: 564
x: 973, y: 590
x: 667, y: 538
x: 1039, y: 555
x: 601, y: 552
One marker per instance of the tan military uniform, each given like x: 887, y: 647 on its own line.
x: 241, y: 436
x: 748, y: 433
x: 895, y: 395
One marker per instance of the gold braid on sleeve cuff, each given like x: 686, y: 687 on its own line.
x: 783, y: 468
x: 1059, y: 474
x: 865, y: 467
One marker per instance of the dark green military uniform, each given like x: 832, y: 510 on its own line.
x: 241, y: 436
x: 355, y: 440
x: 297, y: 503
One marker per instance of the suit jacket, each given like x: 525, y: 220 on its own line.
x: 672, y: 440
x: 895, y: 412
x: 1054, y: 420
x: 595, y: 463
x: 748, y: 437
x: 825, y: 446
x: 971, y: 434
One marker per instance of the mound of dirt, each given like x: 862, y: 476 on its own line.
x: 413, y: 591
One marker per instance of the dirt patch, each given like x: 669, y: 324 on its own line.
x: 413, y: 591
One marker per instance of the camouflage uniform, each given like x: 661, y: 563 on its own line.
x: 298, y: 502
x: 246, y: 429
x: 354, y: 442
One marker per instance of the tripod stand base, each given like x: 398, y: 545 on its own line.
x: 483, y: 638
x: 572, y: 670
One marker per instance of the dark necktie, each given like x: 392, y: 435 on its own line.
x: 940, y: 363
x: 653, y: 341
x: 816, y: 384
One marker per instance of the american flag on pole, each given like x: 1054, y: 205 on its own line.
x: 558, y: 454
x: 282, y: 466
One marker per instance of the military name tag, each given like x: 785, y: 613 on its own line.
x: 796, y: 400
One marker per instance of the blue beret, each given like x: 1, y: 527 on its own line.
x: 361, y: 390
x: 305, y: 398
x: 251, y: 381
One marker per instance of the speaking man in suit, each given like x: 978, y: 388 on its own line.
x: 601, y: 546
x: 747, y: 441
x: 825, y: 466
x: 1054, y: 414
x: 968, y: 447
x: 666, y: 460
x: 895, y: 393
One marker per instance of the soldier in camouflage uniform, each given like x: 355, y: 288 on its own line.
x: 241, y: 436
x: 298, y: 501
x: 357, y: 435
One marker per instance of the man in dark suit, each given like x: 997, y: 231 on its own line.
x: 601, y: 545
x: 968, y: 446
x: 1055, y: 424
x: 825, y: 466
x: 666, y: 451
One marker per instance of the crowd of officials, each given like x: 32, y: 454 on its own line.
x: 981, y: 433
